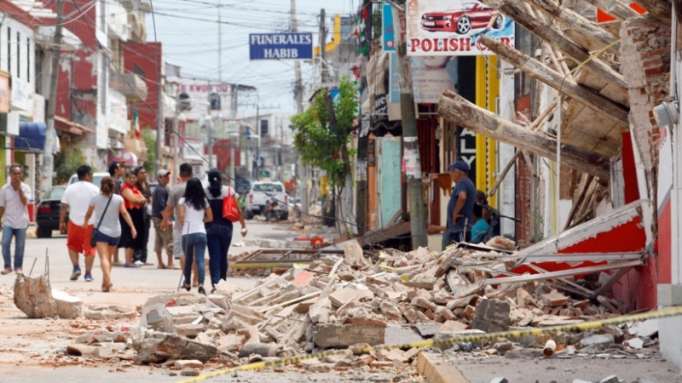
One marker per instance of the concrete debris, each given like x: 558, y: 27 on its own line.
x: 635, y: 343
x: 597, y: 340
x: 37, y: 299
x: 610, y: 379
x: 499, y: 380
x: 392, y: 297
x: 645, y: 329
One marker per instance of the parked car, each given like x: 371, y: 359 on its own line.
x: 47, y: 213
x: 267, y: 194
x: 96, y: 178
x: 462, y: 21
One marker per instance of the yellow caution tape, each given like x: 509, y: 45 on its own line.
x: 446, y: 343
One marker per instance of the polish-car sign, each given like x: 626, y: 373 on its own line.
x: 453, y: 27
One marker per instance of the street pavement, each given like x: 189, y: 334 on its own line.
x: 29, y: 342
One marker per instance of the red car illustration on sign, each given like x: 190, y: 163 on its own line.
x: 471, y: 16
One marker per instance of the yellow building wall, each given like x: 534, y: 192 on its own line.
x: 487, y: 91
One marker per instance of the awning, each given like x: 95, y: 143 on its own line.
x: 66, y: 126
x: 31, y: 137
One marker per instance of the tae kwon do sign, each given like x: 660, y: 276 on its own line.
x: 281, y: 46
x: 453, y: 27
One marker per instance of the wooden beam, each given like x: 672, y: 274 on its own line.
x: 541, y: 72
x: 459, y: 110
x: 574, y: 20
x: 556, y: 37
x: 560, y: 274
x: 660, y: 9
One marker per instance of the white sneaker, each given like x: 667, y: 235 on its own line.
x: 139, y: 263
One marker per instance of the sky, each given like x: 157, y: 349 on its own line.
x: 189, y: 33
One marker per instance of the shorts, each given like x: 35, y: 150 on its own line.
x: 101, y: 237
x: 163, y: 237
x: 78, y: 239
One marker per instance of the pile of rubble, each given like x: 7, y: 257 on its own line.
x: 354, y: 302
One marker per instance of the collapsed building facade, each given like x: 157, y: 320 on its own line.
x: 603, y: 120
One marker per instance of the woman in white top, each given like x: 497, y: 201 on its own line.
x: 193, y: 213
x: 107, y: 207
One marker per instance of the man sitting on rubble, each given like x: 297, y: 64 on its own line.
x: 461, y: 205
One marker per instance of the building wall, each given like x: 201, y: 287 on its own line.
x: 145, y: 60
x: 17, y: 56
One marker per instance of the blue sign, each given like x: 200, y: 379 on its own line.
x: 281, y: 46
x: 388, y: 25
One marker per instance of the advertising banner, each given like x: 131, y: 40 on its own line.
x: 388, y: 25
x: 453, y: 27
x: 281, y: 46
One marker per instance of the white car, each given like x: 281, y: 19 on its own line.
x: 264, y: 192
x: 96, y: 178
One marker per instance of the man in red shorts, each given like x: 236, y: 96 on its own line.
x: 76, y: 199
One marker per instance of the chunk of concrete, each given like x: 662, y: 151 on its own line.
x: 158, y: 347
x: 610, y: 379
x: 188, y: 363
x: 597, y: 340
x: 257, y: 348
x: 492, y: 315
x: 635, y: 343
x: 35, y: 298
x: 335, y: 335
x: 400, y: 335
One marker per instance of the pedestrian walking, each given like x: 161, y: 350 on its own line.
x: 461, y: 204
x: 13, y: 200
x: 76, y: 200
x: 171, y: 211
x: 117, y: 172
x: 193, y: 214
x: 163, y: 234
x: 107, y: 207
x: 143, y: 185
x: 219, y: 230
x: 134, y: 203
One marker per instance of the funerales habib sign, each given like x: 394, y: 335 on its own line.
x: 281, y: 46
x: 453, y: 27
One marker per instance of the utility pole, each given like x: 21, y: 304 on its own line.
x: 160, y: 124
x: 298, y: 97
x: 50, y: 137
x: 324, y: 74
x: 410, y: 143
x: 216, y: 114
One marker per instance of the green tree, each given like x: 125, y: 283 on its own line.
x: 149, y: 137
x: 322, y: 132
x: 66, y: 162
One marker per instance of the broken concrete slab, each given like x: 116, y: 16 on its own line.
x: 81, y: 350
x: 597, y: 340
x: 635, y: 343
x: 188, y: 363
x: 335, y: 335
x: 256, y: 348
x: 37, y: 299
x: 158, y: 347
x: 492, y: 315
x: 644, y: 329
x: 349, y: 294
x: 400, y: 335
x: 434, y: 369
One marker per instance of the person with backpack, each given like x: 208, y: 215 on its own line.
x: 106, y: 208
x: 219, y: 231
